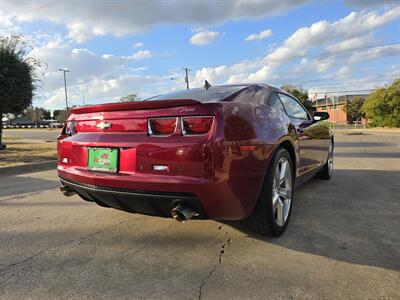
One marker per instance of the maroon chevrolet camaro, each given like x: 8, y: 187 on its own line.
x: 232, y: 152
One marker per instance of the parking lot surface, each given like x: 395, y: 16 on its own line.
x: 343, y: 241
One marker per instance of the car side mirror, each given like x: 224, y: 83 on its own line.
x: 320, y: 116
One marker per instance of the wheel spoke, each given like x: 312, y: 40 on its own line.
x: 283, y: 171
x: 286, y: 209
x: 275, y: 198
x: 285, y: 192
x: 277, y: 178
x: 279, y: 214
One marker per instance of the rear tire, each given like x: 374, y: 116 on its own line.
x: 272, y: 212
x: 327, y: 169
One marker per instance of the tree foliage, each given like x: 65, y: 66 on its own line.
x: 35, y: 114
x: 353, y: 109
x: 300, y: 94
x: 60, y: 115
x: 382, y: 107
x: 17, y: 75
x: 130, y: 98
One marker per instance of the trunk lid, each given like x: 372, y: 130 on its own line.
x: 124, y: 126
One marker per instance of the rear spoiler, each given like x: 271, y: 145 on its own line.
x: 139, y: 105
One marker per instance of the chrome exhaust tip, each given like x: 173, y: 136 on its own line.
x: 183, y: 212
x: 67, y: 191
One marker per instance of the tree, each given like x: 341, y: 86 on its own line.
x: 300, y: 94
x: 353, y: 109
x: 35, y: 114
x: 17, y: 76
x: 129, y: 98
x: 382, y: 107
x: 60, y: 115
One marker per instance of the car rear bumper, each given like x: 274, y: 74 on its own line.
x: 215, y: 198
x: 135, y: 201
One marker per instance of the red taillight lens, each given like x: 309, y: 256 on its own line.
x: 196, y: 125
x: 162, y: 126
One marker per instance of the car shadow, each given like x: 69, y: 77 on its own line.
x: 354, y: 217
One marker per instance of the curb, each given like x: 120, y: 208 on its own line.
x: 32, y: 167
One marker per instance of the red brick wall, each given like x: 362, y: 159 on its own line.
x: 338, y: 115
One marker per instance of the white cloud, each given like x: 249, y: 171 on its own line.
x: 204, y: 38
x: 85, y: 19
x: 374, y: 53
x: 7, y: 25
x: 343, y: 72
x: 106, y: 77
x: 137, y: 45
x: 259, y: 36
x: 324, y: 32
x: 142, y: 54
x: 105, y: 89
x: 369, y: 3
x: 292, y: 61
x: 350, y: 44
x: 103, y: 77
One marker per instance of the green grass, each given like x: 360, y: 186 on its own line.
x: 19, y: 152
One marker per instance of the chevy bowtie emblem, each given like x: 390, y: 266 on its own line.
x: 103, y: 125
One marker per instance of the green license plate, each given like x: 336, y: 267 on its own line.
x: 103, y: 159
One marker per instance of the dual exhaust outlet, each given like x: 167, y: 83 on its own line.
x: 181, y: 212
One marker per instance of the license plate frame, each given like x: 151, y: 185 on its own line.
x: 103, y: 159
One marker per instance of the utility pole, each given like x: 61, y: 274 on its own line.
x: 187, y: 70
x: 65, y: 70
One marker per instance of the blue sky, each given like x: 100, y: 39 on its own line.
x: 116, y: 48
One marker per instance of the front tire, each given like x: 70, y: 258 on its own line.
x: 327, y: 169
x: 272, y: 212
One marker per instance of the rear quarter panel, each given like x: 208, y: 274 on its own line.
x: 243, y: 151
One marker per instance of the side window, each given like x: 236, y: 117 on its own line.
x: 275, y: 102
x: 293, y: 108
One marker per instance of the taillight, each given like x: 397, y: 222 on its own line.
x: 162, y: 126
x: 196, y: 125
x: 70, y: 128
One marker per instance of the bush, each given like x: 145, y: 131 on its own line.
x: 353, y: 109
x: 382, y: 107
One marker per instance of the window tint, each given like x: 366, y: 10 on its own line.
x: 275, y: 102
x: 293, y: 108
x: 217, y: 93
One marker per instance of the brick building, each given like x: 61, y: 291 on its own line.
x: 335, y: 106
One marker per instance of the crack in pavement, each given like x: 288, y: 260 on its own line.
x: 80, y: 239
x: 212, y: 271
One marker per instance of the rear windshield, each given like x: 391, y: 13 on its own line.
x: 217, y: 93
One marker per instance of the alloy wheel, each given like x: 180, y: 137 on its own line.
x: 282, y: 191
x: 330, y: 158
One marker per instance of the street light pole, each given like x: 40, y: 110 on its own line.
x: 65, y: 70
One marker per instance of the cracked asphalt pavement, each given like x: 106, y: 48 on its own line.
x: 343, y: 241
